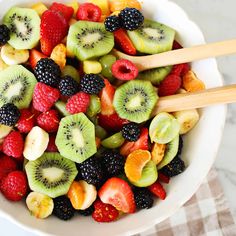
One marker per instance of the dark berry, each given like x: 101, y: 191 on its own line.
x: 143, y: 198
x: 63, y: 208
x: 112, y: 23
x: 181, y: 144
x: 131, y: 132
x: 9, y: 114
x: 113, y: 162
x: 68, y: 86
x: 131, y: 18
x: 4, y: 34
x: 175, y: 167
x: 48, y: 72
x: 92, y: 83
x: 87, y: 212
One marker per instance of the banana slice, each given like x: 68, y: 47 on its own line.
x: 187, y: 119
x: 4, y: 131
x: 3, y: 65
x: 36, y: 143
x: 40, y: 205
x: 12, y: 56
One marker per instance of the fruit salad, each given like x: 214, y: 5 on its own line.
x: 77, y: 134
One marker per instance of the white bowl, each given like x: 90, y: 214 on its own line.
x: 200, y: 145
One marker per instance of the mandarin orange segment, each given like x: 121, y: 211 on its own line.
x: 191, y: 83
x: 118, y: 5
x: 158, y: 152
x: 59, y: 55
x: 135, y: 163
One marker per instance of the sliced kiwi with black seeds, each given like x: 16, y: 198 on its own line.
x: 76, y: 138
x: 152, y: 37
x: 88, y: 40
x: 135, y: 100
x: 156, y: 75
x: 51, y: 174
x: 24, y: 25
x: 16, y: 86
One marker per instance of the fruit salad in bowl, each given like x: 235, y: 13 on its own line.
x: 78, y: 139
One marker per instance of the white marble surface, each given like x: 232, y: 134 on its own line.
x: 217, y: 19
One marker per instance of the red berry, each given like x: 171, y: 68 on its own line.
x: 7, y: 165
x: 170, y: 85
x: 158, y: 190
x: 14, y: 186
x: 104, y: 212
x: 180, y: 69
x: 163, y: 178
x: 44, y: 97
x: 123, y: 42
x: 176, y: 45
x: 124, y: 70
x: 51, y: 144
x: 26, y: 121
x: 66, y: 11
x: 35, y: 56
x: 49, y: 121
x: 89, y: 12
x: 13, y: 144
x: 78, y: 103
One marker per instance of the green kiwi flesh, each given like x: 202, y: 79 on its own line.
x: 51, y: 174
x: 88, y: 40
x: 135, y: 100
x: 152, y: 37
x: 61, y: 107
x: 75, y: 138
x: 24, y: 25
x: 72, y: 72
x: 16, y: 86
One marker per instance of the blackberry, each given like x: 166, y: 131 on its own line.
x: 9, y: 114
x: 87, y: 212
x: 113, y: 162
x: 131, y: 18
x: 63, y: 208
x: 112, y: 23
x: 175, y: 167
x: 181, y: 144
x: 91, y: 171
x: 4, y: 34
x: 47, y: 71
x: 92, y: 83
x: 68, y: 86
x: 131, y: 132
x: 143, y: 198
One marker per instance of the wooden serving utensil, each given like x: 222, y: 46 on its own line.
x: 181, y: 55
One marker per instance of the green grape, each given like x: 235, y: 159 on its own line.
x: 107, y: 62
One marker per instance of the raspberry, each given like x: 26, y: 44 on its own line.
x: 13, y: 145
x: 78, y: 103
x: 4, y: 35
x: 89, y: 12
x: 158, y: 190
x: 51, y: 144
x: 44, y: 97
x: 49, y: 121
x: 112, y: 23
x: 104, y: 212
x: 68, y: 86
x: 14, y: 187
x: 131, y: 132
x: 9, y: 114
x: 170, y: 85
x: 124, y: 70
x: 180, y: 69
x: 7, y: 165
x: 26, y: 121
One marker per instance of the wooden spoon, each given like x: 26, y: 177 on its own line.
x: 181, y: 55
x: 186, y: 101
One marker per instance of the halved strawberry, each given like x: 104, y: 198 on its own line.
x: 35, y: 56
x: 141, y: 143
x: 66, y: 11
x: 158, y: 190
x: 123, y: 41
x: 118, y: 193
x: 163, y: 178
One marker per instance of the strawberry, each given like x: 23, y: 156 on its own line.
x: 14, y: 186
x: 163, y: 178
x: 53, y: 30
x: 118, y: 193
x: 180, y: 69
x: 158, y: 190
x: 106, y: 97
x: 89, y: 12
x: 104, y: 212
x: 176, y: 45
x: 26, y: 121
x: 141, y: 143
x: 34, y: 57
x: 51, y: 144
x: 64, y: 10
x: 7, y: 165
x: 13, y: 145
x: 123, y: 42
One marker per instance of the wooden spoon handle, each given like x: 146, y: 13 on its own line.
x: 181, y: 55
x: 186, y: 101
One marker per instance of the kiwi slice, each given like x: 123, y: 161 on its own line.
x: 170, y: 152
x: 156, y: 75
x: 135, y: 100
x: 61, y: 107
x: 76, y: 138
x: 88, y: 40
x: 16, y: 86
x: 72, y: 72
x: 152, y: 37
x: 51, y: 174
x: 24, y: 25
